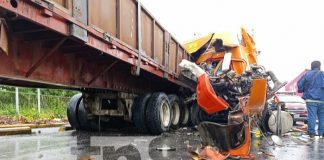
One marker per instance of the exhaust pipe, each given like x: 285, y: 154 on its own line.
x: 276, y: 82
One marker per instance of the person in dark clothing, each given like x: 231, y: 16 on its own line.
x: 312, y: 85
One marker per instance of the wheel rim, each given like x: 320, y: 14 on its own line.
x: 165, y: 114
x: 186, y: 115
x: 176, y: 113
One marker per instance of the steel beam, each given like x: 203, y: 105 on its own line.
x: 139, y: 39
x: 166, y: 53
x: 42, y: 59
x: 102, y: 72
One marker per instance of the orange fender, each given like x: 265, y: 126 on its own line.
x: 207, y: 98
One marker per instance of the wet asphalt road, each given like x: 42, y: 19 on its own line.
x: 50, y: 144
x: 115, y: 145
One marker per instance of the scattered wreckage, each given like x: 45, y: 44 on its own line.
x: 232, y: 91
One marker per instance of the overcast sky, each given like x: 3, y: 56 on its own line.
x: 289, y: 33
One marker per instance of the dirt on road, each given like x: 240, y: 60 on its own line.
x: 6, y: 120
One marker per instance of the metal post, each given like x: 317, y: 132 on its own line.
x: 38, y: 100
x: 279, y: 125
x: 139, y: 39
x: 17, y: 101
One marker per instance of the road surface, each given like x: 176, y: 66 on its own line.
x: 50, y: 144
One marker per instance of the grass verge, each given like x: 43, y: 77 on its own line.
x: 30, y: 114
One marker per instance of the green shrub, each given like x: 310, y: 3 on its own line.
x: 53, y: 103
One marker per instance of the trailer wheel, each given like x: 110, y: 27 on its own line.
x: 85, y: 123
x: 176, y: 111
x: 139, y: 112
x: 72, y: 109
x: 185, y: 115
x: 158, y: 113
x: 196, y: 114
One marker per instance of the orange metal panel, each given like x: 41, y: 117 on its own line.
x: 159, y: 44
x: 206, y: 97
x: 244, y: 150
x: 102, y: 14
x: 258, y: 95
x: 147, y: 33
x: 128, y: 22
x: 173, y: 56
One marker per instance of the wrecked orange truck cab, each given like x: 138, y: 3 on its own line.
x: 233, y: 87
x: 234, y: 138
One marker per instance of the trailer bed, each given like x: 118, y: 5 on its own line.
x: 88, y: 45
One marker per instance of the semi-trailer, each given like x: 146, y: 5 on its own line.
x: 121, y: 59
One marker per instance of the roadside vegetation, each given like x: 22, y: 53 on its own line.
x: 53, y: 104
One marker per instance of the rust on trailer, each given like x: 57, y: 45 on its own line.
x: 159, y: 44
x: 102, y: 72
x: 38, y: 58
x: 147, y: 34
x: 103, y: 15
x: 172, y: 56
x: 64, y: 5
x: 44, y: 57
x: 179, y: 58
x: 128, y: 22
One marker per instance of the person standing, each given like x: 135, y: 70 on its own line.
x: 311, y: 85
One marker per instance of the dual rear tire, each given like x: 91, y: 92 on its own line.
x: 196, y: 114
x: 176, y: 111
x: 158, y: 113
x: 154, y: 113
x: 78, y: 115
x: 139, y: 113
x: 180, y: 112
x: 72, y: 110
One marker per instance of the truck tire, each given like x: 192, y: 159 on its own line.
x: 72, y: 109
x: 185, y: 115
x: 176, y: 111
x: 196, y: 114
x: 85, y: 123
x: 158, y: 113
x: 139, y: 112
